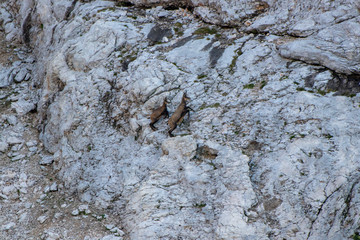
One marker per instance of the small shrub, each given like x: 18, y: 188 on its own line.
x: 356, y: 236
x: 214, y: 167
x: 201, y: 76
x: 321, y: 92
x: 215, y: 105
x: 249, y: 86
x: 263, y: 84
x: 205, y: 31
x: 199, y: 205
x: 300, y: 89
x: 283, y: 77
x: 232, y: 65
x: 178, y: 24
x: 328, y: 136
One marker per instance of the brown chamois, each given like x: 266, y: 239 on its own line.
x: 156, y: 115
x: 179, y: 114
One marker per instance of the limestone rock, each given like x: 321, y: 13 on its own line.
x: 3, y: 146
x: 332, y: 47
x: 46, y: 160
x: 42, y: 219
x: 269, y: 152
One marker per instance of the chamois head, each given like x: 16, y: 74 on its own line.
x: 185, y: 97
x: 166, y: 101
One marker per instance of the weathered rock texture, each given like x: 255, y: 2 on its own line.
x: 269, y: 152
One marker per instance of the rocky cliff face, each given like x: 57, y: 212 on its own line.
x: 269, y: 152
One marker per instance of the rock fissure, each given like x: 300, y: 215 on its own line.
x: 320, y: 210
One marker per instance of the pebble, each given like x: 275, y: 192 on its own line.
x: 83, y: 208
x: 28, y: 205
x: 23, y: 217
x: 75, y: 212
x: 42, y: 219
x: 18, y: 157
x: 8, y: 226
x: 14, y: 140
x: 53, y: 187
x: 46, y: 160
x: 3, y: 146
x: 109, y: 226
x: 22, y: 107
x: 111, y: 237
x: 33, y: 149
x: 31, y: 143
x: 114, y: 230
x: 7, y: 190
x: 20, y: 76
x: 12, y: 120
x: 42, y: 196
x: 47, y: 189
x: 16, y: 147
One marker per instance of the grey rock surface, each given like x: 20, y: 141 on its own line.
x: 270, y: 150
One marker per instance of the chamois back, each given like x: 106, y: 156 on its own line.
x: 158, y: 112
x: 179, y: 114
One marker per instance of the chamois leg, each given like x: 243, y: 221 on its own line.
x: 152, y: 126
x: 188, y: 111
x: 170, y: 131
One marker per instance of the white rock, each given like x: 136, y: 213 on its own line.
x: 14, y: 140
x: 111, y: 237
x: 33, y: 149
x: 22, y: 107
x: 5, y: 77
x: 8, y: 226
x: 12, y: 120
x: 302, y: 146
x: 42, y: 218
x: 3, y: 146
x: 31, y: 143
x: 20, y: 76
x: 83, y: 208
x: 18, y: 157
x: 8, y: 190
x: 43, y: 196
x: 47, y: 189
x: 179, y: 146
x: 75, y: 212
x: 46, y: 160
x: 53, y: 187
x: 23, y: 217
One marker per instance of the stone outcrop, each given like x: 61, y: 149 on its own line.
x: 270, y: 151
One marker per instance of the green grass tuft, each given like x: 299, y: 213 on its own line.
x: 263, y: 84
x: 249, y: 86
x: 205, y: 31
x: 300, y: 89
